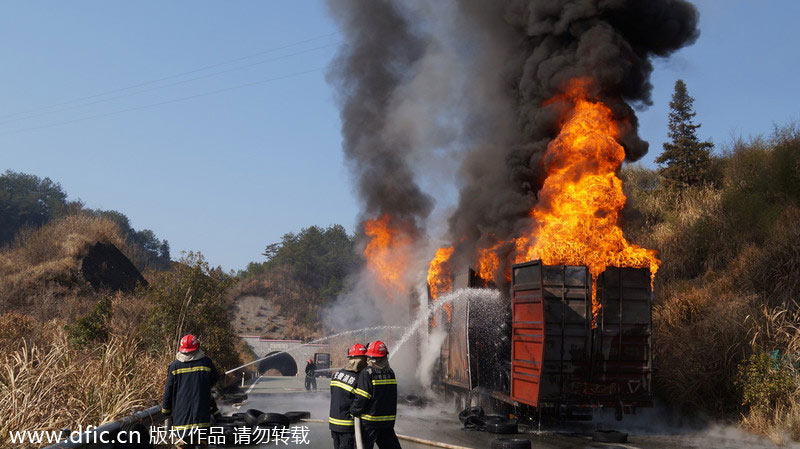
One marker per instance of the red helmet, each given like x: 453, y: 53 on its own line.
x: 357, y: 350
x: 309, y: 361
x: 377, y: 349
x: 189, y: 343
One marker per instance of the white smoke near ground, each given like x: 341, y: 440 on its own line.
x: 430, y: 351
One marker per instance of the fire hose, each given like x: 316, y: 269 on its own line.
x: 357, y: 424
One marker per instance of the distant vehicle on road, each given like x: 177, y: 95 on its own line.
x: 323, y: 362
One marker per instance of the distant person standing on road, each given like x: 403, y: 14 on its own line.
x: 311, y: 375
x: 376, y: 399
x: 343, y: 383
x: 187, y: 394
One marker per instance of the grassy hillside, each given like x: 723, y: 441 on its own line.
x: 727, y: 317
x: 72, y: 354
x: 302, y: 275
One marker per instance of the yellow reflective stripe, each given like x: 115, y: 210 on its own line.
x: 379, y: 418
x: 165, y: 410
x: 191, y: 370
x: 340, y: 422
x: 384, y: 382
x: 192, y: 426
x: 342, y: 385
x: 361, y: 392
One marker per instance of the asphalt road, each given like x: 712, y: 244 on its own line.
x: 282, y: 394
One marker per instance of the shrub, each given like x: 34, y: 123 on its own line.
x: 91, y: 327
x: 765, y: 380
x: 191, y: 298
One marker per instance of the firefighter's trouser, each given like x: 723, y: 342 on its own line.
x: 343, y: 440
x: 385, y: 438
x: 311, y: 382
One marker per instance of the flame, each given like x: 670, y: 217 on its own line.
x: 386, y: 253
x: 488, y: 262
x: 576, y: 219
x: 440, y: 278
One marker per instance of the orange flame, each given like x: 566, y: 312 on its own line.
x: 488, y: 262
x: 440, y: 277
x: 386, y: 253
x: 576, y: 219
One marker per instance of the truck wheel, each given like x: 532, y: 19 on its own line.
x: 511, y: 443
x: 609, y: 436
x: 297, y: 416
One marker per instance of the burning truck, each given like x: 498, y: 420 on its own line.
x: 532, y: 104
x: 573, y: 331
x: 542, y: 350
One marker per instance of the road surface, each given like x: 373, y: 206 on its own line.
x: 282, y: 394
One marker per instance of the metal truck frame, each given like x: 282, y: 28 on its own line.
x: 546, y: 356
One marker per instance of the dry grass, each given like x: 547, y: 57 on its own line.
x: 729, y: 283
x: 47, y: 385
x: 40, y: 268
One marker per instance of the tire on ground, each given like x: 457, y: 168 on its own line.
x: 476, y: 411
x: 609, y: 436
x: 251, y: 416
x: 296, y: 416
x: 500, y: 425
x: 273, y: 419
x: 511, y: 443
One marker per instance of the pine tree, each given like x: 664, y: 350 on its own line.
x: 686, y: 160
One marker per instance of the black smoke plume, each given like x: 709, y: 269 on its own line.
x: 508, y: 58
x: 378, y: 56
x: 546, y: 44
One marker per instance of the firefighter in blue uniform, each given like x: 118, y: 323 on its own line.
x: 376, y: 399
x: 187, y: 394
x: 343, y: 383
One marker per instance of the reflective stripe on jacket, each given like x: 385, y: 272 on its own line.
x: 342, y: 385
x: 375, y: 398
x: 187, y: 393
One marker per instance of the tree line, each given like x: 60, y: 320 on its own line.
x: 28, y: 201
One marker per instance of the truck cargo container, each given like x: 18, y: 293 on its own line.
x: 541, y: 352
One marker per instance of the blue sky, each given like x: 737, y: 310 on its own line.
x: 249, y: 150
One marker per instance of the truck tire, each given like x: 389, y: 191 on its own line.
x: 501, y: 425
x: 511, y: 443
x: 609, y: 436
x: 475, y: 411
x: 273, y: 419
x: 474, y: 423
x: 251, y: 416
x: 296, y: 416
x: 414, y: 400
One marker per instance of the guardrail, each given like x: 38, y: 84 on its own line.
x: 137, y: 422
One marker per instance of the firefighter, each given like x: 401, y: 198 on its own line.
x: 376, y: 399
x: 342, y: 385
x: 187, y: 394
x: 311, y: 375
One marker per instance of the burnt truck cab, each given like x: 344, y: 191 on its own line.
x: 545, y: 354
x: 323, y: 362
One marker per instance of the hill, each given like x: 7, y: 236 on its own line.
x: 726, y: 334
x: 84, y: 338
x: 302, y: 275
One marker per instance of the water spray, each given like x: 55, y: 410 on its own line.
x: 366, y: 329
